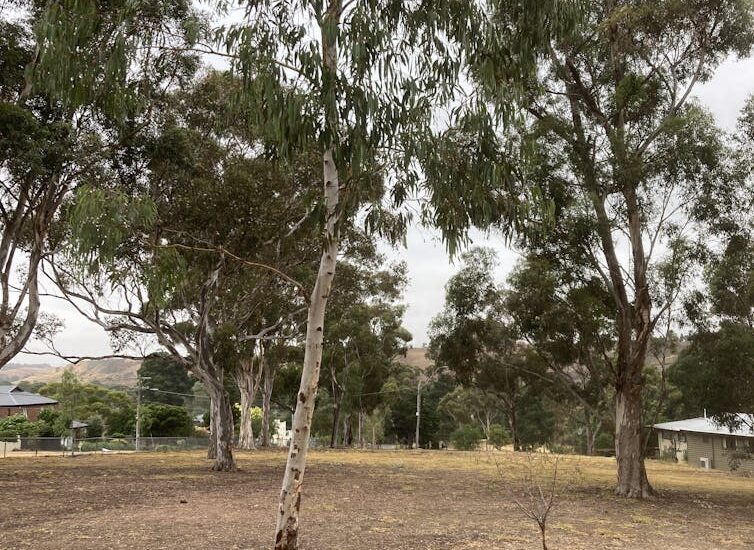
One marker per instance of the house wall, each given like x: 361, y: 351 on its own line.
x: 30, y: 412
x: 711, y: 446
x: 672, y: 443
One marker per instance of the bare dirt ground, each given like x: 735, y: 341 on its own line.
x: 358, y: 500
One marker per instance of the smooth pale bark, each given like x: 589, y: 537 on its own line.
x: 212, y: 448
x: 246, y: 429
x: 286, y: 537
x: 269, y: 380
x: 248, y: 379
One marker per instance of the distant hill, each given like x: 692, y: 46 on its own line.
x: 104, y: 372
x: 417, y: 357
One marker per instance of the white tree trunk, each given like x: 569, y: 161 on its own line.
x: 222, y: 427
x: 248, y: 379
x: 286, y: 537
x: 246, y: 430
x: 269, y: 380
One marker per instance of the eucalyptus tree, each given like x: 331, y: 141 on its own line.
x: 609, y: 138
x: 357, y: 80
x: 565, y: 317
x: 188, y: 237
x: 475, y: 337
x: 364, y: 336
x: 54, y: 126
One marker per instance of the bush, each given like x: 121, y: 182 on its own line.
x: 17, y: 425
x: 116, y: 445
x: 498, y: 436
x: 87, y: 446
x: 96, y: 426
x: 465, y: 437
x: 166, y: 420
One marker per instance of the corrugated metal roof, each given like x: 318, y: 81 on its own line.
x: 11, y: 396
x: 709, y: 426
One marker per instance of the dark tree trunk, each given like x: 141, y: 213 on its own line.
x: 335, y: 424
x: 513, y: 421
x: 347, y: 431
x: 629, y: 448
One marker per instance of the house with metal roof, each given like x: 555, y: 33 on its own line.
x: 14, y: 400
x: 706, y: 443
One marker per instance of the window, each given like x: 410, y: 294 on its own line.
x: 729, y: 443
x: 705, y: 438
x: 667, y: 435
x: 682, y: 437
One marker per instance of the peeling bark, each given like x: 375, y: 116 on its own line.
x: 629, y: 448
x: 222, y: 428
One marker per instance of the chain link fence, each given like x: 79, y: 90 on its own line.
x: 46, y: 446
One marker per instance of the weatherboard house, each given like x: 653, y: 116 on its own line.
x: 705, y: 443
x: 16, y: 401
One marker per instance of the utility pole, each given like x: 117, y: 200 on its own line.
x: 418, y: 409
x: 139, y: 380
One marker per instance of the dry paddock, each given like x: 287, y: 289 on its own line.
x: 360, y: 500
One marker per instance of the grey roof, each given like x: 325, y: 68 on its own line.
x: 12, y: 396
x: 709, y: 426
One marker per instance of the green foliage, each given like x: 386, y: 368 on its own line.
x: 466, y: 437
x: 716, y: 371
x: 498, y: 436
x: 17, y: 425
x: 77, y: 401
x: 161, y: 420
x: 164, y: 373
x: 95, y: 427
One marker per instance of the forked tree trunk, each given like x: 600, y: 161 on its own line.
x: 269, y: 380
x: 246, y: 429
x: 286, y: 537
x: 248, y: 379
x: 222, y: 428
x: 347, y: 431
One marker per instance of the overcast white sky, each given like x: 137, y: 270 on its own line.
x: 428, y: 264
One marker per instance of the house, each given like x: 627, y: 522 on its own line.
x: 707, y: 444
x: 16, y: 401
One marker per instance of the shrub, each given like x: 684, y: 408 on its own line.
x: 498, y: 436
x: 465, y: 437
x: 17, y: 425
x: 87, y: 446
x: 166, y: 420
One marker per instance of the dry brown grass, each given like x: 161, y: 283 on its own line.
x: 358, y: 500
